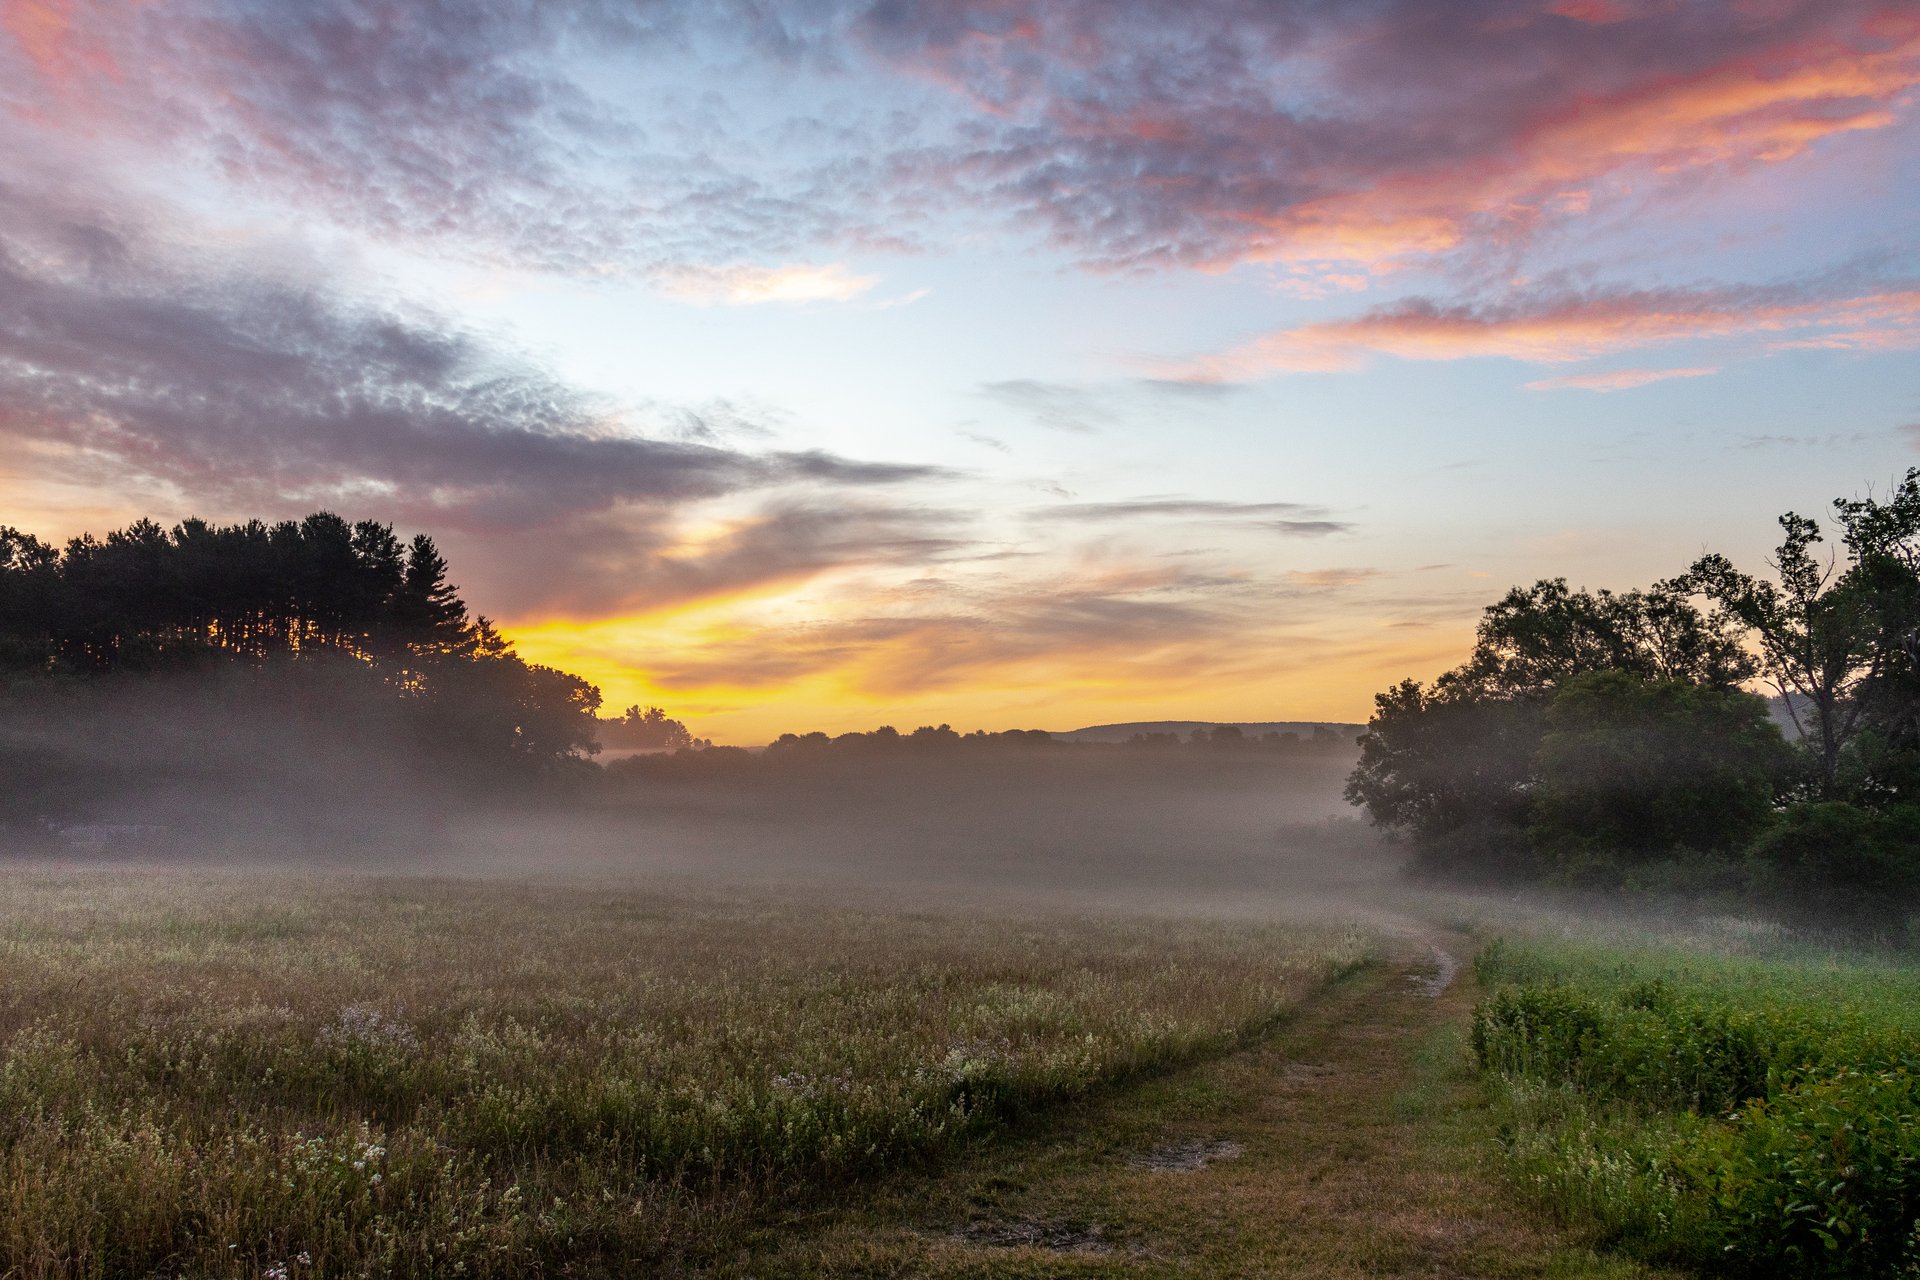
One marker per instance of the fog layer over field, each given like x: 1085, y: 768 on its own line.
x: 1066, y: 826
x: 183, y: 775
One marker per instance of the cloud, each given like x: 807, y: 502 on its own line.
x: 1184, y: 508
x: 985, y: 441
x: 621, y: 561
x: 1616, y: 379
x: 1833, y: 440
x: 1307, y: 528
x: 210, y: 385
x: 1562, y: 327
x: 1336, y: 137
x: 1329, y: 579
x: 745, y: 286
x: 1055, y: 405
x: 1112, y: 625
x: 542, y: 136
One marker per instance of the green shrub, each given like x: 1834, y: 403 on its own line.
x: 1819, y: 1180
x: 1836, y: 862
x: 1757, y: 1118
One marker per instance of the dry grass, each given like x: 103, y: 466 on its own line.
x: 238, y: 1075
x: 1361, y: 1146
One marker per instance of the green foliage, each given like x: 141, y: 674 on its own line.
x: 1456, y: 765
x: 1611, y: 731
x: 1432, y: 762
x: 1758, y: 1118
x: 1833, y: 862
x: 1645, y: 768
x: 1821, y: 1179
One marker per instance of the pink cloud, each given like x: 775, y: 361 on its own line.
x: 1233, y: 132
x: 1562, y: 330
x: 1617, y: 379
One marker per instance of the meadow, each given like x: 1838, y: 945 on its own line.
x: 1754, y: 1114
x: 234, y: 1073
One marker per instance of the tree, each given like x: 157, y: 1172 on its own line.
x: 1638, y: 770
x: 649, y: 730
x: 327, y: 604
x: 1836, y: 639
x: 1435, y: 760
x: 1535, y: 638
x: 1463, y: 752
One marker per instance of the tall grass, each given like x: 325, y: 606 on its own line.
x: 232, y: 1075
x: 1752, y: 1115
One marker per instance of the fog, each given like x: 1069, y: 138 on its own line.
x: 190, y: 773
x: 1093, y: 827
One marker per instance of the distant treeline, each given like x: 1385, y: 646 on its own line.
x: 1609, y: 740
x: 799, y: 751
x: 649, y: 730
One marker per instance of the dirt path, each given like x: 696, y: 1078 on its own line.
x: 1351, y: 1144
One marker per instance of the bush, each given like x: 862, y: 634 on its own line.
x: 1820, y: 1180
x: 1758, y: 1119
x: 1839, y: 863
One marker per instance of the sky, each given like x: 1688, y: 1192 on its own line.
x: 1000, y: 363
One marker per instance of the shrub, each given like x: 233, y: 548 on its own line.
x: 1820, y: 1180
x: 1762, y: 1119
x: 1836, y: 862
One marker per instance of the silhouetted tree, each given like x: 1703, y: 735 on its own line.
x: 1839, y: 638
x: 649, y: 730
x: 314, y: 592
x: 1463, y: 752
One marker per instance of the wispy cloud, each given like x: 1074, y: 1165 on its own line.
x: 1616, y: 379
x: 746, y: 285
x: 1329, y: 579
x: 235, y: 391
x: 1362, y: 137
x: 1056, y: 405
x: 1180, y: 508
x: 1560, y: 328
x: 1339, y: 140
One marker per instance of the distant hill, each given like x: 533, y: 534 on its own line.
x: 1253, y: 729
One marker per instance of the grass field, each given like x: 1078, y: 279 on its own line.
x: 232, y: 1074
x: 1758, y: 1115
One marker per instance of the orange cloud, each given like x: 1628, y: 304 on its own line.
x: 1581, y: 327
x: 1088, y: 642
x: 49, y: 34
x: 745, y: 685
x: 1616, y: 380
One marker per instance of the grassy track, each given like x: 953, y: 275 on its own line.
x: 1354, y: 1142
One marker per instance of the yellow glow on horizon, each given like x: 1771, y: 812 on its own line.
x: 631, y: 660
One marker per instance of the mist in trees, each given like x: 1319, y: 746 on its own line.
x: 649, y: 730
x: 299, y: 666
x: 1613, y: 740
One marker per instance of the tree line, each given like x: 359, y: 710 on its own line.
x: 316, y: 621
x: 1604, y: 739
